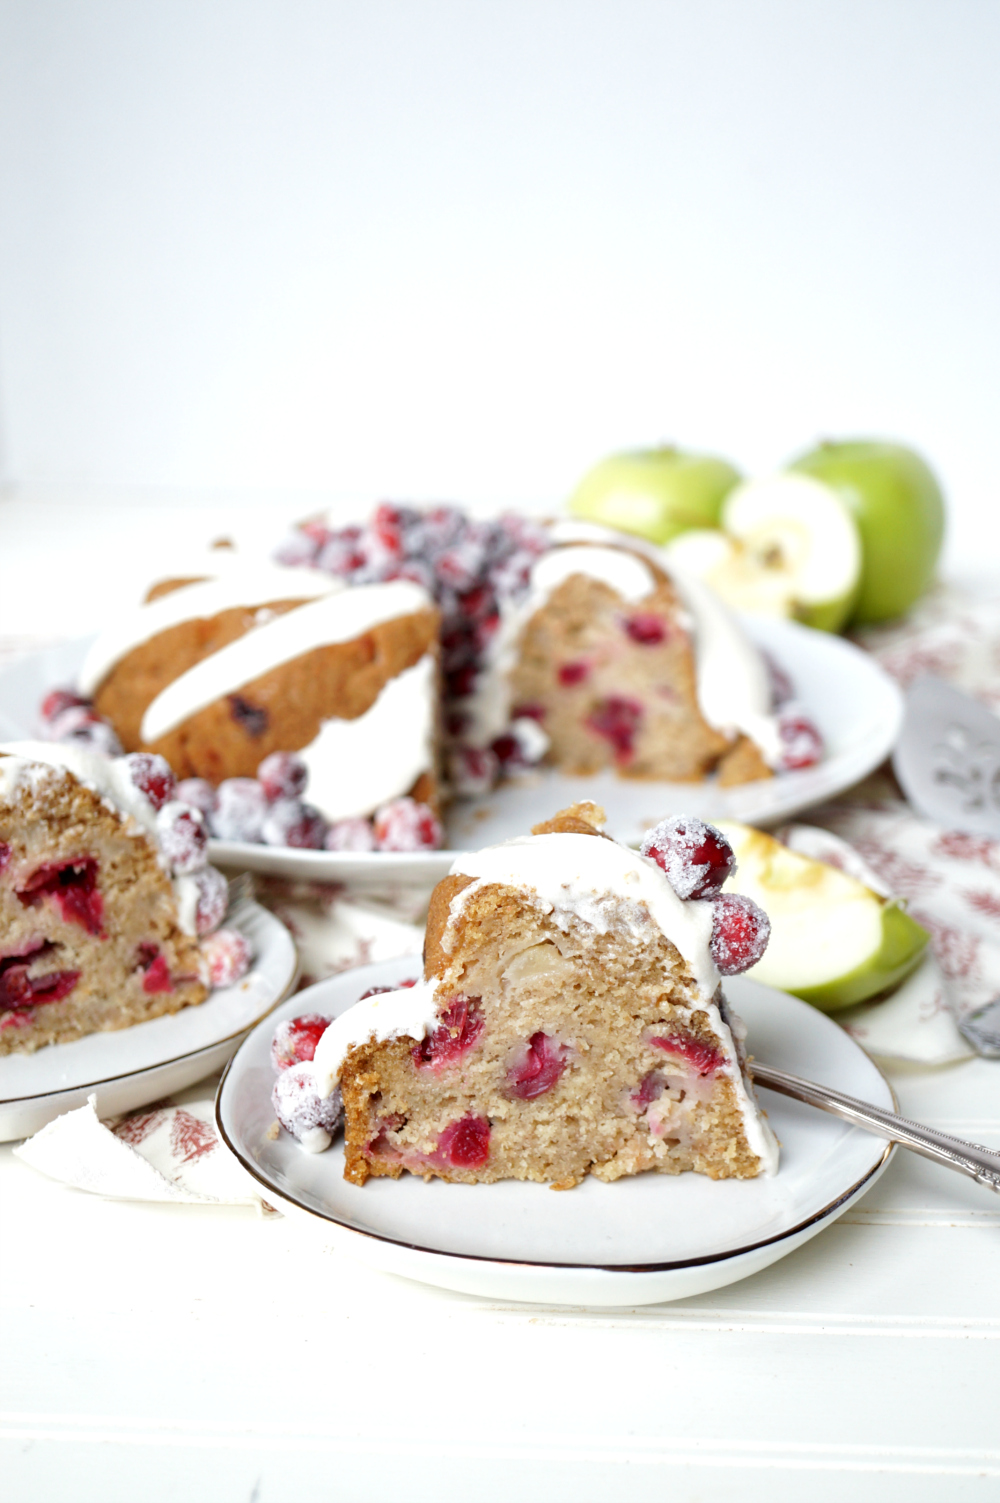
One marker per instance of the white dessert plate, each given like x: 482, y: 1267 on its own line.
x: 133, y: 1066
x: 856, y: 706
x: 637, y: 1241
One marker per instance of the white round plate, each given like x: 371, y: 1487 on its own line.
x: 637, y: 1241
x: 856, y: 706
x: 133, y: 1066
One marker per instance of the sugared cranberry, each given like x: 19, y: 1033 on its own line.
x: 466, y: 1143
x: 350, y: 835
x: 405, y: 825
x: 290, y: 822
x: 801, y: 742
x: 295, y: 1040
x: 199, y: 793
x: 72, y: 886
x: 58, y: 700
x: 740, y: 932
x: 309, y: 1117
x: 576, y: 672
x: 183, y: 837
x: 240, y: 810
x: 617, y: 719
x: 283, y: 775
x: 646, y: 629
x: 297, y: 549
x: 702, y: 1056
x: 153, y: 776
x: 80, y: 726
x: 536, y: 1068
x: 228, y: 955
x: 212, y: 900
x: 695, y: 857
x: 460, y: 1027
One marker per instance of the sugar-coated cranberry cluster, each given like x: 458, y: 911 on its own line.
x: 297, y: 1104
x: 696, y: 859
x: 472, y: 569
x: 269, y: 809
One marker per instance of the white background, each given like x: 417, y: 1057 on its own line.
x: 463, y: 248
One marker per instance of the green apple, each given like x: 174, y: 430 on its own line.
x: 655, y: 493
x: 788, y: 547
x: 834, y: 941
x: 897, y: 504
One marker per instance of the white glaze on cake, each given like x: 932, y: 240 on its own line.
x: 242, y: 586
x: 25, y: 764
x: 338, y: 617
x: 355, y: 765
x: 732, y: 681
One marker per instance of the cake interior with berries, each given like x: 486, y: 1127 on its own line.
x: 570, y: 1021
x: 109, y: 911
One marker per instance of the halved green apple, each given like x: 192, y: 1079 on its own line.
x: 656, y: 493
x: 834, y: 941
x: 788, y: 547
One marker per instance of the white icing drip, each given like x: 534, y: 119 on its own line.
x: 106, y: 776
x: 733, y: 684
x: 315, y: 1140
x: 600, y: 883
x: 198, y: 602
x: 355, y: 765
x: 409, y: 1013
x: 339, y: 617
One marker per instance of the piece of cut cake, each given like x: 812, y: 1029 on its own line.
x: 219, y: 674
x: 570, y: 1021
x: 104, y: 892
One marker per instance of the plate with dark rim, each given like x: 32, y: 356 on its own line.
x: 855, y: 704
x: 637, y: 1241
x: 131, y: 1067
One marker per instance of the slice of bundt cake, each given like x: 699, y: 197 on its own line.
x: 218, y: 674
x: 104, y: 889
x: 570, y: 1021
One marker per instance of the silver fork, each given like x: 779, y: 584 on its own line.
x: 240, y: 892
x: 973, y: 1159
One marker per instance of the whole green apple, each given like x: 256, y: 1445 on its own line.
x: 899, y: 509
x: 655, y: 493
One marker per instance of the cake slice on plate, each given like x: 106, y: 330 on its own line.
x: 104, y: 894
x: 571, y: 1019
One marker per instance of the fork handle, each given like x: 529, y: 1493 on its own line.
x: 968, y: 1158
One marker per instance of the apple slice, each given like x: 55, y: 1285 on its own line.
x: 834, y: 941
x: 656, y: 493
x: 788, y: 549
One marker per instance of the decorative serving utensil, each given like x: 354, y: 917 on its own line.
x: 947, y: 758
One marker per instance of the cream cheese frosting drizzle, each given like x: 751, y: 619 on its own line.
x: 338, y: 617
x: 25, y: 762
x: 198, y: 602
x: 355, y: 765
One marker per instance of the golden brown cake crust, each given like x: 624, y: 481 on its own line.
x: 280, y: 711
x: 437, y: 918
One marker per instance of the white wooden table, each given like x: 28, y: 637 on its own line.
x: 163, y: 1353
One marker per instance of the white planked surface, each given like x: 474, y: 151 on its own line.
x: 180, y: 1353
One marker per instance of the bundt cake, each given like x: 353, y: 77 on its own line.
x: 104, y: 894
x: 570, y: 1021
